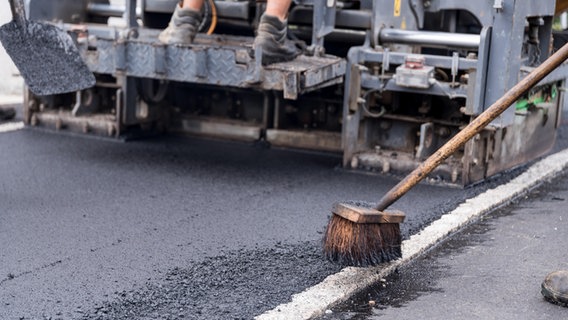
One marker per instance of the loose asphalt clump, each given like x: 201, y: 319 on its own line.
x: 236, y: 285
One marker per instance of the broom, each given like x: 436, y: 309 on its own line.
x: 360, y: 234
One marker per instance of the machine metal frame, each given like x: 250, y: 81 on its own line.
x: 515, y: 36
x: 383, y: 82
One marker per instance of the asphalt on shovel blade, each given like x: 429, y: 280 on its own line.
x: 46, y: 57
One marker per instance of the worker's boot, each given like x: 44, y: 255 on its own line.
x: 271, y: 37
x: 183, y: 26
x: 7, y: 113
x: 555, y: 288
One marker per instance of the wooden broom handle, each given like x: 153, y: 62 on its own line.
x: 473, y: 128
x: 18, y: 12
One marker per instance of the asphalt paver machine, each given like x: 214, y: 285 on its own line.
x: 384, y: 82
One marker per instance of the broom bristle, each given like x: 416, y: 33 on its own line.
x: 361, y: 244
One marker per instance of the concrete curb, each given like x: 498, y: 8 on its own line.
x: 11, y: 82
x: 6, y: 100
x: 339, y: 287
x: 11, y: 126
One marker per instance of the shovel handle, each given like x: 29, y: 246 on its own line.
x: 18, y: 12
x: 473, y: 128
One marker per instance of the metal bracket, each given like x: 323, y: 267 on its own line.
x: 291, y: 85
x: 130, y: 14
x: 427, y: 141
x: 323, y: 23
x: 417, y: 8
x: 455, y: 66
x: 476, y: 104
x: 85, y: 103
x: 256, y: 75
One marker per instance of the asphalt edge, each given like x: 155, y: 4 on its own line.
x: 339, y: 287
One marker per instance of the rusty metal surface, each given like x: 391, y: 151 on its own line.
x: 232, y: 130
x: 313, y: 140
x: 397, y: 163
x: 101, y: 125
x: 533, y: 135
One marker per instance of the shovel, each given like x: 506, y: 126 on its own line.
x: 46, y: 56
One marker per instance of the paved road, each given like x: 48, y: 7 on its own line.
x: 490, y: 270
x: 171, y: 226
x: 89, y: 224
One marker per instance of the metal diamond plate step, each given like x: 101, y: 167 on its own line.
x: 213, y: 60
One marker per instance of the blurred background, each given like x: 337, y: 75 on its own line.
x: 11, y: 84
x: 10, y: 81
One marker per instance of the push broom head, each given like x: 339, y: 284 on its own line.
x: 359, y: 235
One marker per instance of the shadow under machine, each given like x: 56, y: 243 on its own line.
x: 384, y: 83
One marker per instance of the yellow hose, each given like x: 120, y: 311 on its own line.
x: 213, y: 17
x: 561, y: 6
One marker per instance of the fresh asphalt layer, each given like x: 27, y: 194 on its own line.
x: 175, y: 227
x: 96, y: 228
x: 492, y: 269
x: 350, y: 281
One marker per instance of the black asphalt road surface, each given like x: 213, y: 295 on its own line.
x: 172, y: 227
x: 491, y: 270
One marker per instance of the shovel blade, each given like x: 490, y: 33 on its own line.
x: 46, y: 57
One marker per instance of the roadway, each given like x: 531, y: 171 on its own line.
x: 492, y: 269
x: 173, y: 227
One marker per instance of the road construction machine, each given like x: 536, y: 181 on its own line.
x: 383, y: 83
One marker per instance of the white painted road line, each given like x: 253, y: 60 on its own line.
x: 11, y: 126
x: 339, y: 287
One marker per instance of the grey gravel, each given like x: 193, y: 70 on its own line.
x: 213, y: 288
x: 81, y: 215
x: 46, y: 57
